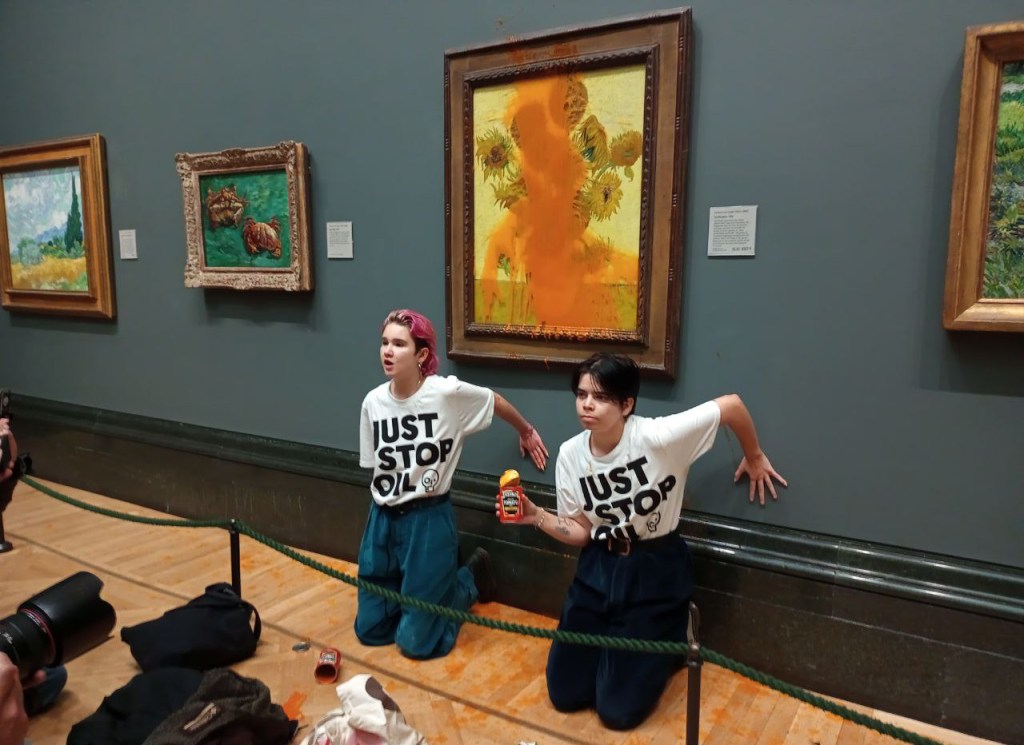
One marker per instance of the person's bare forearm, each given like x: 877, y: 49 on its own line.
x: 755, y: 464
x: 736, y: 417
x: 530, y: 441
x: 509, y: 413
x: 564, y: 529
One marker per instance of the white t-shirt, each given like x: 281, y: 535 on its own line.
x: 413, y: 445
x: 635, y: 492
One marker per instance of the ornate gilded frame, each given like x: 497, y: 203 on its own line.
x: 289, y: 157
x: 986, y: 52
x: 661, y: 42
x: 88, y: 154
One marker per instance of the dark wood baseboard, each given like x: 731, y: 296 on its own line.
x: 935, y: 638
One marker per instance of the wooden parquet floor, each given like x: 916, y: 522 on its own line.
x: 490, y: 690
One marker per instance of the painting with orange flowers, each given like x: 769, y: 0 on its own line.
x: 557, y: 193
x: 566, y: 157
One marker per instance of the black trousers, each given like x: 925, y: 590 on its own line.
x: 643, y: 595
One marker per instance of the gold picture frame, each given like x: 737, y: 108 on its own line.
x: 565, y: 165
x: 247, y: 218
x: 985, y: 265
x: 55, y: 251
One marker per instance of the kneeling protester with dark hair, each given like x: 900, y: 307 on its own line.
x: 620, y: 486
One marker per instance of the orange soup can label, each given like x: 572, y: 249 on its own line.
x: 511, y: 504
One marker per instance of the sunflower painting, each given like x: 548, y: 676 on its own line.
x: 557, y: 181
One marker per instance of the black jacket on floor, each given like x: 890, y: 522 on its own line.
x: 178, y: 706
x: 130, y: 714
x: 228, y: 709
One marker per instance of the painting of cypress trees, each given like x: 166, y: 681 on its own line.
x: 73, y: 235
x: 45, y: 232
x: 55, y: 254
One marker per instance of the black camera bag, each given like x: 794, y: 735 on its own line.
x: 216, y: 629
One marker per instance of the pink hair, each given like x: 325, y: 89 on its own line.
x: 422, y: 332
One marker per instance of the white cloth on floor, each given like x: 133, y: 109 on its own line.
x: 367, y: 716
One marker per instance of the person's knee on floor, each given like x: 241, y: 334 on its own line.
x: 373, y: 627
x: 569, y: 695
x: 616, y: 717
x: 425, y: 636
x: 568, y: 703
x: 417, y: 643
x: 376, y: 636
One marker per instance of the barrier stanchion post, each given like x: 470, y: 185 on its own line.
x: 236, y: 568
x: 693, y: 665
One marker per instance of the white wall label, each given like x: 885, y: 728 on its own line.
x: 126, y: 241
x: 732, y: 231
x: 339, y: 240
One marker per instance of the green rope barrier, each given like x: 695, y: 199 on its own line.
x: 167, y: 522
x: 595, y: 640
x: 592, y: 640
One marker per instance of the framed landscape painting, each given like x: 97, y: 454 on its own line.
x: 985, y: 265
x: 55, y: 252
x: 247, y: 218
x: 565, y: 164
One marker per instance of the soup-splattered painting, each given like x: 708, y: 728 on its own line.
x: 557, y: 177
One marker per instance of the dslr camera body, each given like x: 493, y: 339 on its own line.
x: 64, y: 620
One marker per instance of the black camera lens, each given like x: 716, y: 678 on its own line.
x: 27, y: 641
x: 57, y: 625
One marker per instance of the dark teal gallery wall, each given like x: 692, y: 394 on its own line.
x: 836, y: 117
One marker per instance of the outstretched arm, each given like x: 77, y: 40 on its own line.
x: 572, y: 530
x: 529, y: 440
x: 755, y: 463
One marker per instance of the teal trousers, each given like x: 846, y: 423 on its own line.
x: 415, y: 553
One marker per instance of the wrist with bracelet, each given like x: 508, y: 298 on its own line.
x: 539, y: 523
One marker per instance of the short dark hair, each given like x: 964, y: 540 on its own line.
x: 616, y: 374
